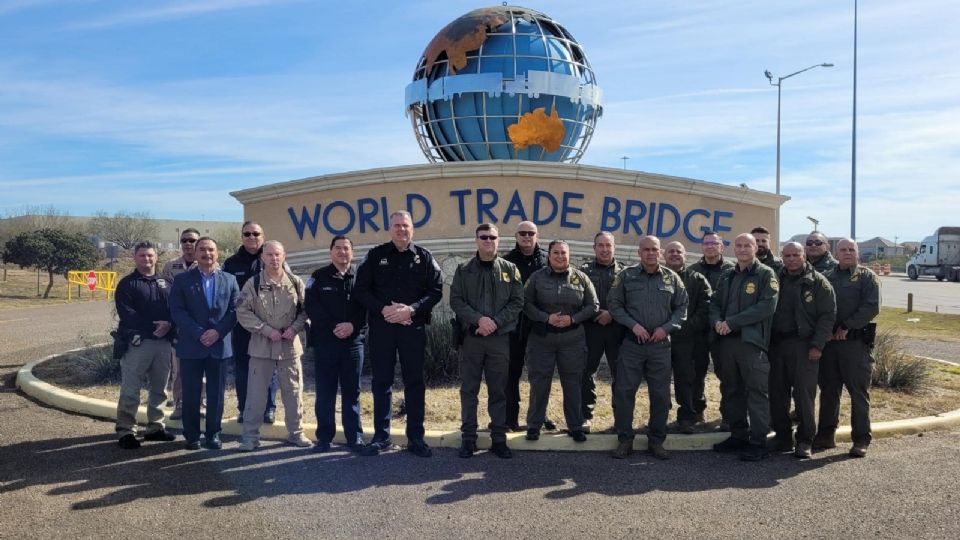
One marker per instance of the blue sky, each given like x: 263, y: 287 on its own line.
x: 166, y: 106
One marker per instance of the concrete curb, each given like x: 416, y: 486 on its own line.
x: 69, y: 401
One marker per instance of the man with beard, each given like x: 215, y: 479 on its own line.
x: 764, y: 253
x: 818, y: 252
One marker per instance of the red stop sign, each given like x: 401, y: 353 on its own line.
x: 92, y: 280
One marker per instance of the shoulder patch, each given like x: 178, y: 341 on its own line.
x: 774, y: 284
x: 617, y: 279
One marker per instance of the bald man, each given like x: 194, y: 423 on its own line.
x: 741, y: 315
x: 846, y: 361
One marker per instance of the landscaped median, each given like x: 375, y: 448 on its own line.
x: 557, y: 441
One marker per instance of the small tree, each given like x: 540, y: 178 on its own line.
x: 124, y: 228
x: 54, y: 250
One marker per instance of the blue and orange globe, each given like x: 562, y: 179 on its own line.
x: 503, y: 82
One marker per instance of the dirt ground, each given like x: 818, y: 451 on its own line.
x: 443, y: 403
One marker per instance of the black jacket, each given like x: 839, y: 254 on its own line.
x: 140, y: 300
x: 329, y: 302
x: 410, y: 277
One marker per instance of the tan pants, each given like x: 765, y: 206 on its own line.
x: 150, y: 360
x: 290, y: 378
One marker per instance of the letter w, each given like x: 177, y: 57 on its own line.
x: 305, y: 220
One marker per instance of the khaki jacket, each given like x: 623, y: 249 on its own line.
x: 273, y: 307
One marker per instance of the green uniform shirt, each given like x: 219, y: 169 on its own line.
x: 771, y: 260
x: 657, y: 300
x: 746, y: 300
x: 824, y: 264
x: 812, y: 305
x: 493, y: 291
x: 858, y: 296
x: 698, y: 308
x: 568, y: 293
x: 712, y: 271
x: 602, y: 277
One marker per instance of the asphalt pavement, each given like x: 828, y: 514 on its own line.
x: 928, y: 293
x: 63, y: 475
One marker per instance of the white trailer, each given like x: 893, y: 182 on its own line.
x: 938, y: 256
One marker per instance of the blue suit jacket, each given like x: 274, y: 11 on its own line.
x: 188, y: 306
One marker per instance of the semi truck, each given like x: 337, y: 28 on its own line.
x: 938, y: 256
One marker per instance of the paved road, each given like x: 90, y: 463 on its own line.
x: 928, y: 293
x: 63, y: 475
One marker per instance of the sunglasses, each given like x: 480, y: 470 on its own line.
x: 526, y: 233
x: 188, y: 240
x: 248, y: 234
x: 486, y: 237
x: 814, y: 242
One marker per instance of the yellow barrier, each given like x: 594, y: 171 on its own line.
x: 106, y: 281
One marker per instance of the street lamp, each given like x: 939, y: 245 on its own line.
x: 778, y: 85
x: 815, y: 222
x: 625, y: 158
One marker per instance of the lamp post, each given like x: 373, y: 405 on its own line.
x: 853, y: 142
x: 815, y: 222
x: 625, y: 158
x: 778, y: 85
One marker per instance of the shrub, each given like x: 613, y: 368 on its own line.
x: 440, y: 363
x: 95, y: 365
x: 895, y: 369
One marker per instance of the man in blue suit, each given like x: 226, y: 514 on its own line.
x: 203, y: 305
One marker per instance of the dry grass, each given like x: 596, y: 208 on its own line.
x: 443, y: 403
x: 20, y: 287
x: 937, y: 326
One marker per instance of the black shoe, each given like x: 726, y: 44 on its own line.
x: 192, y: 445
x: 129, y: 442
x: 533, y: 435
x: 320, y: 447
x: 467, y: 449
x: 514, y: 427
x: 823, y: 442
x: 658, y: 451
x: 587, y: 424
x: 624, y: 449
x: 699, y: 419
x: 501, y: 450
x: 213, y: 443
x: 419, y: 448
x: 782, y: 445
x: 731, y: 444
x: 549, y: 425
x: 756, y: 452
x: 375, y: 447
x: 240, y: 418
x: 686, y: 427
x: 578, y: 436
x: 723, y: 426
x: 161, y: 435
x: 269, y: 417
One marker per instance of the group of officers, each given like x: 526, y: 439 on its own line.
x: 775, y: 329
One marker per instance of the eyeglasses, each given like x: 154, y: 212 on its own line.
x: 814, y: 243
x: 486, y: 237
x: 526, y: 233
x: 188, y: 240
x: 248, y: 234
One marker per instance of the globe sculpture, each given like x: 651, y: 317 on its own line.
x: 503, y: 82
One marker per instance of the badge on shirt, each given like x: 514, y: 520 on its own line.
x: 575, y: 280
x: 750, y: 288
x: 855, y: 277
x: 505, y: 276
x: 416, y: 259
x: 162, y: 283
x: 808, y: 297
x: 384, y: 262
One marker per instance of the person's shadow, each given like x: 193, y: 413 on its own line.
x: 96, y: 465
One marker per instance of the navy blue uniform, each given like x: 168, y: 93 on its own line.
x: 410, y: 277
x: 141, y: 300
x: 244, y: 265
x: 329, y: 302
